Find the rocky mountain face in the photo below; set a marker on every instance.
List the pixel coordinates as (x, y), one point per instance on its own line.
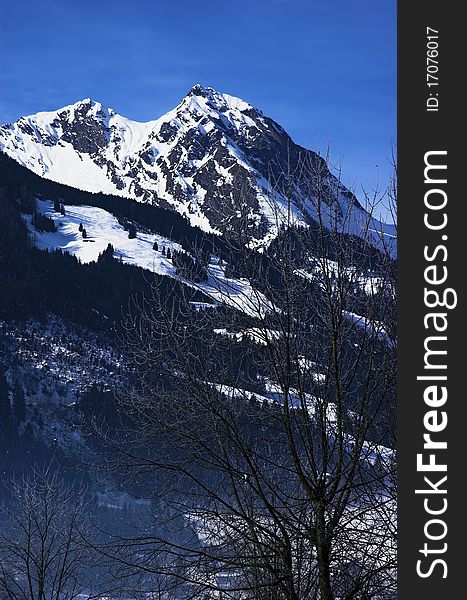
(214, 158)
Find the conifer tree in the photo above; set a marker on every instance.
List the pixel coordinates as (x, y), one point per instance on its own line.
(131, 232)
(107, 254)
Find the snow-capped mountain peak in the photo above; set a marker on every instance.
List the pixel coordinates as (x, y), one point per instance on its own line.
(214, 100)
(214, 158)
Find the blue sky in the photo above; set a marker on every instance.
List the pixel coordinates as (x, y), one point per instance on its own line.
(324, 69)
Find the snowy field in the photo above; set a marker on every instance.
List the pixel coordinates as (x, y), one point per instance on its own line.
(102, 228)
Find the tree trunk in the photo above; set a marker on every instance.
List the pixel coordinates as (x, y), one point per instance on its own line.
(323, 553)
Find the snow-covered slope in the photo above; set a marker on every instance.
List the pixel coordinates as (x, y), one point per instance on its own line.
(103, 228)
(214, 158)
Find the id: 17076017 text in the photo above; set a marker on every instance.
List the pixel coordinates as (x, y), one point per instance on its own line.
(432, 68)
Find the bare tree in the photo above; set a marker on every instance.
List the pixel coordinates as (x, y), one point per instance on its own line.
(266, 426)
(43, 554)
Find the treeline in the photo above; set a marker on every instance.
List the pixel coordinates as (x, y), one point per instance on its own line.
(20, 182)
(189, 266)
(159, 220)
(35, 282)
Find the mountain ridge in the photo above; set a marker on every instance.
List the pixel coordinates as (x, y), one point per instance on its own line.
(214, 158)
